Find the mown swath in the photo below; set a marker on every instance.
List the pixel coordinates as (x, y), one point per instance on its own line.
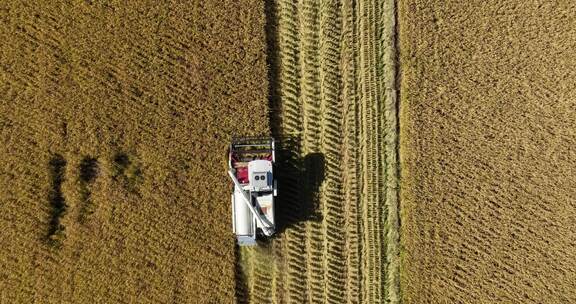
(373, 203)
(350, 155)
(262, 276)
(331, 108)
(337, 106)
(289, 53)
(310, 65)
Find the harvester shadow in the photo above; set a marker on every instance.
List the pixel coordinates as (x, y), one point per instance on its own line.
(299, 181)
(299, 178)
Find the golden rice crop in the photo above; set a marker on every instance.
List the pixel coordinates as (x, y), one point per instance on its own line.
(114, 124)
(488, 164)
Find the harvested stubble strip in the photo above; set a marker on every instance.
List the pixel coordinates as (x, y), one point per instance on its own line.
(336, 90)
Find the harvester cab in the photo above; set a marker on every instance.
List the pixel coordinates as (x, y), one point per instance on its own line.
(251, 168)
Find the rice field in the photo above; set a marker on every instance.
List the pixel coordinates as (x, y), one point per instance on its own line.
(424, 150)
(488, 126)
(332, 71)
(115, 118)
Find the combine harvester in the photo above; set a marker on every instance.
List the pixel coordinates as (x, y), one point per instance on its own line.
(251, 162)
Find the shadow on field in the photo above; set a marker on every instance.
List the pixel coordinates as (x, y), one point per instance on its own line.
(58, 205)
(241, 289)
(299, 180)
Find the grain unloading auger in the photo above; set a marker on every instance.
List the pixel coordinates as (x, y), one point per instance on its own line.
(251, 162)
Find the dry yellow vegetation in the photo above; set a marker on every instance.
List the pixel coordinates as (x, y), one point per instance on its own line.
(114, 123)
(488, 130)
